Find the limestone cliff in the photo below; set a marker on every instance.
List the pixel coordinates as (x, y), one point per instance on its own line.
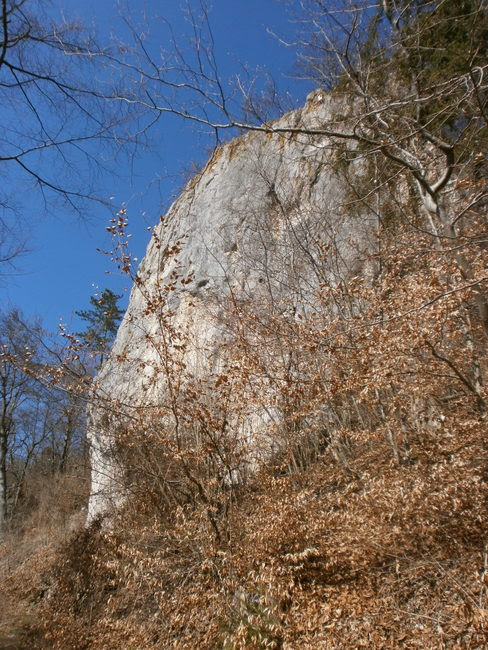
(266, 219)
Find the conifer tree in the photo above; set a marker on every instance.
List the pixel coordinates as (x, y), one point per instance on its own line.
(102, 322)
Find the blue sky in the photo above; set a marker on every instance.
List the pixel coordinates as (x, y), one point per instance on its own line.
(63, 267)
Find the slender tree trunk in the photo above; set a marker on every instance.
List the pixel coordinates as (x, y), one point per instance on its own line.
(68, 437)
(3, 480)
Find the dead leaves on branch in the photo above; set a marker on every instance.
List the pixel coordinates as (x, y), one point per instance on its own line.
(365, 526)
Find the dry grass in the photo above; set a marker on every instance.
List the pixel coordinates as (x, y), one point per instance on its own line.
(28, 552)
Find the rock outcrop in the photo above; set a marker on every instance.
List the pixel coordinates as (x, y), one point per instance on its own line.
(266, 220)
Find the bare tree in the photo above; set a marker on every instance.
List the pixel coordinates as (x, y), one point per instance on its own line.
(42, 401)
(61, 101)
(12, 245)
(411, 75)
(411, 80)
(353, 46)
(402, 91)
(16, 387)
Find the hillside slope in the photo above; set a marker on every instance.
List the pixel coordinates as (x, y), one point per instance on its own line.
(293, 418)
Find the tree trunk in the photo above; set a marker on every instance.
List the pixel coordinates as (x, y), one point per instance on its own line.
(3, 481)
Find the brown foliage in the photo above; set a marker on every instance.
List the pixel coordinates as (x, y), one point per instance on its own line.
(29, 551)
(367, 525)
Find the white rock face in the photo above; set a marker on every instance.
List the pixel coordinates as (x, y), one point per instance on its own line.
(253, 224)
